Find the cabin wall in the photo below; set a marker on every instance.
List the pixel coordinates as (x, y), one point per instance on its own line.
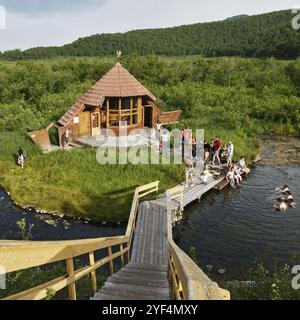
(41, 138)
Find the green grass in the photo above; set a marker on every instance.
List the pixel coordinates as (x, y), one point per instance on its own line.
(74, 183)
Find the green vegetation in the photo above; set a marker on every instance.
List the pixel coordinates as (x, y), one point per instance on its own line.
(264, 284)
(75, 184)
(263, 35)
(235, 98)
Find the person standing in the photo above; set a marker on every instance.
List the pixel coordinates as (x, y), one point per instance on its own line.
(165, 142)
(217, 149)
(230, 153)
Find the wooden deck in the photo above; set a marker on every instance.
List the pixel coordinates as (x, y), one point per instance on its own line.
(146, 275)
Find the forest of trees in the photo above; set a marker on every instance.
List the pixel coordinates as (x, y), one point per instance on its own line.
(239, 94)
(263, 35)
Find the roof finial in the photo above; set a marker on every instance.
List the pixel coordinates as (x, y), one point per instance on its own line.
(118, 54)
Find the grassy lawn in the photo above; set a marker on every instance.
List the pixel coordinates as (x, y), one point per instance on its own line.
(74, 183)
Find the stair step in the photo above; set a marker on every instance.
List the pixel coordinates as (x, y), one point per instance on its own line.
(106, 297)
(146, 267)
(135, 290)
(158, 275)
(137, 280)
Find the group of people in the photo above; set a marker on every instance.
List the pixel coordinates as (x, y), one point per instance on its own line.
(218, 153)
(286, 200)
(21, 157)
(236, 171)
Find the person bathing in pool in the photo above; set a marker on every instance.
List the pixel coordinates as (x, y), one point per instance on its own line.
(280, 205)
(290, 200)
(284, 189)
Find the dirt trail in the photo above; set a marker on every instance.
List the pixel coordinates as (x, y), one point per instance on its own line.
(280, 150)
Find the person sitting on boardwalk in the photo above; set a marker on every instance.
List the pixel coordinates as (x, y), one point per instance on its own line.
(217, 149)
(230, 152)
(242, 164)
(238, 174)
(206, 174)
(280, 205)
(230, 177)
(189, 173)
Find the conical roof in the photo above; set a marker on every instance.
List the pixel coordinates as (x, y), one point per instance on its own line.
(117, 82)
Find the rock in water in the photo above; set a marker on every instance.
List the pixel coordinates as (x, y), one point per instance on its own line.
(221, 271)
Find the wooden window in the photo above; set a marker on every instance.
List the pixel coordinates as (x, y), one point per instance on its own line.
(126, 103)
(114, 103)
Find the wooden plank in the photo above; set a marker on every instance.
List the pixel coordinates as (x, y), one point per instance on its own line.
(93, 273)
(71, 274)
(19, 255)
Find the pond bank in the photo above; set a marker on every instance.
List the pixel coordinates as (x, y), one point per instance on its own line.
(46, 227)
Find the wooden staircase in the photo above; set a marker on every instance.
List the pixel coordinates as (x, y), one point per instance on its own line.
(146, 276)
(153, 266)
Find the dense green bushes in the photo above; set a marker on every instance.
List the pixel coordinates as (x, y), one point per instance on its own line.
(253, 95)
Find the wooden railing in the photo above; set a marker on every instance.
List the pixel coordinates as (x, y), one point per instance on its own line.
(188, 281)
(20, 255)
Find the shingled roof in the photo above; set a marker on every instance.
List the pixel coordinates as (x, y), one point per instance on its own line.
(118, 82)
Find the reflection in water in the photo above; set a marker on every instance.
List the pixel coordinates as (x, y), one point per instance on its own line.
(233, 228)
(45, 227)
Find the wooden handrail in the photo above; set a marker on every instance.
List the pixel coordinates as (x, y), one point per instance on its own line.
(20, 255)
(188, 281)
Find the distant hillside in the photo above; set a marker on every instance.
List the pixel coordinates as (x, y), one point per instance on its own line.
(263, 35)
(238, 17)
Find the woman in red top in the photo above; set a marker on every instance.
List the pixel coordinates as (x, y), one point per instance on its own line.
(217, 149)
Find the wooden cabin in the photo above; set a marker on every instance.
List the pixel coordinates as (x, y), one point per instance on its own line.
(117, 99)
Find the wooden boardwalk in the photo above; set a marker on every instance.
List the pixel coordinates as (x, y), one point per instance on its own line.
(146, 275)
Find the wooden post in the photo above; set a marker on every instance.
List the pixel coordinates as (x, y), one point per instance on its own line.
(122, 256)
(128, 252)
(93, 273)
(111, 263)
(131, 111)
(107, 113)
(71, 273)
(120, 110)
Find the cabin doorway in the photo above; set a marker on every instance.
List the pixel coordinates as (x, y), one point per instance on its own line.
(85, 123)
(148, 121)
(95, 121)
